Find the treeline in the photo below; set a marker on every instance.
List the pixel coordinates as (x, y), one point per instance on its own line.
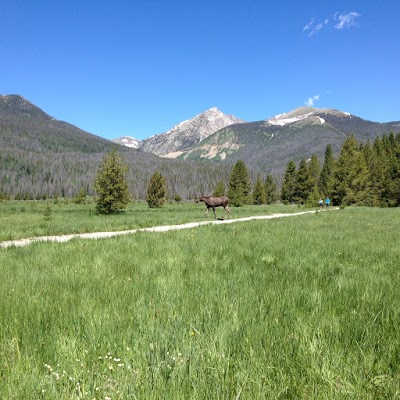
(30, 175)
(363, 174)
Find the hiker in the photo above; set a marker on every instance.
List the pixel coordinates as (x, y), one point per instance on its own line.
(321, 203)
(328, 201)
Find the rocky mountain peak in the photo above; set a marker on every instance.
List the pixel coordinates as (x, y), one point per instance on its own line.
(188, 133)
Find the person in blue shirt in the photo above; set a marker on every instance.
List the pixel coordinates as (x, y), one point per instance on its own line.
(328, 201)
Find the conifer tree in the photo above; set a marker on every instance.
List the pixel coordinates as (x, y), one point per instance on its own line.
(361, 184)
(304, 183)
(156, 191)
(239, 185)
(326, 177)
(394, 188)
(341, 193)
(111, 185)
(368, 151)
(392, 163)
(351, 175)
(271, 190)
(374, 168)
(259, 194)
(379, 171)
(219, 189)
(288, 184)
(314, 168)
(314, 197)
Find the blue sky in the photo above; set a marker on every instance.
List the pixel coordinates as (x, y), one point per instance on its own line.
(137, 68)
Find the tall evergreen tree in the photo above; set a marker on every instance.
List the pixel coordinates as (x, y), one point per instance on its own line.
(341, 193)
(378, 172)
(395, 173)
(288, 184)
(111, 185)
(239, 185)
(219, 189)
(361, 184)
(326, 177)
(259, 194)
(156, 190)
(304, 183)
(368, 151)
(314, 168)
(351, 175)
(271, 190)
(373, 197)
(392, 152)
(314, 197)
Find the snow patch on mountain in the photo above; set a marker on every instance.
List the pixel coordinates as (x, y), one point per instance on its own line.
(127, 141)
(303, 113)
(282, 121)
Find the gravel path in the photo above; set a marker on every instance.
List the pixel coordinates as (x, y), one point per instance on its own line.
(102, 235)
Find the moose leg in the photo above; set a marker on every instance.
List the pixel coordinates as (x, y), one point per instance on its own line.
(215, 215)
(227, 210)
(207, 208)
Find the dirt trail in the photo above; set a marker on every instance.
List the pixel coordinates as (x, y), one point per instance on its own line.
(102, 235)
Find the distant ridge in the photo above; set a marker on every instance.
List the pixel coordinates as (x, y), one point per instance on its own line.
(25, 126)
(40, 155)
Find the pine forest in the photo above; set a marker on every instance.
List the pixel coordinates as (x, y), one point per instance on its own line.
(362, 173)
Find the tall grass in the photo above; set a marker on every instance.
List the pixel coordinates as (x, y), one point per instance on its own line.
(305, 307)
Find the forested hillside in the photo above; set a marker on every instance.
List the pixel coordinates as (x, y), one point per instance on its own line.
(24, 126)
(28, 174)
(40, 156)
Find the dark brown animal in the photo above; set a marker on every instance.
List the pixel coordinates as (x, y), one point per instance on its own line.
(213, 202)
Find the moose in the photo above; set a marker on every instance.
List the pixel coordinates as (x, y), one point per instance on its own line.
(213, 202)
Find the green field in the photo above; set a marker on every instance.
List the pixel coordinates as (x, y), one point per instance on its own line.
(24, 219)
(294, 308)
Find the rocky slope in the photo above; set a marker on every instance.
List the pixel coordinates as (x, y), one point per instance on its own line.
(187, 134)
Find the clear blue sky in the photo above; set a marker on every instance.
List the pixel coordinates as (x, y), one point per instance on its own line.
(137, 68)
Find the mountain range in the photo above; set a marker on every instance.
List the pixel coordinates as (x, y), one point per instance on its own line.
(268, 144)
(40, 155)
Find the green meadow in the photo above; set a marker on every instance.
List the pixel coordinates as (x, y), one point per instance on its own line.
(306, 307)
(24, 219)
